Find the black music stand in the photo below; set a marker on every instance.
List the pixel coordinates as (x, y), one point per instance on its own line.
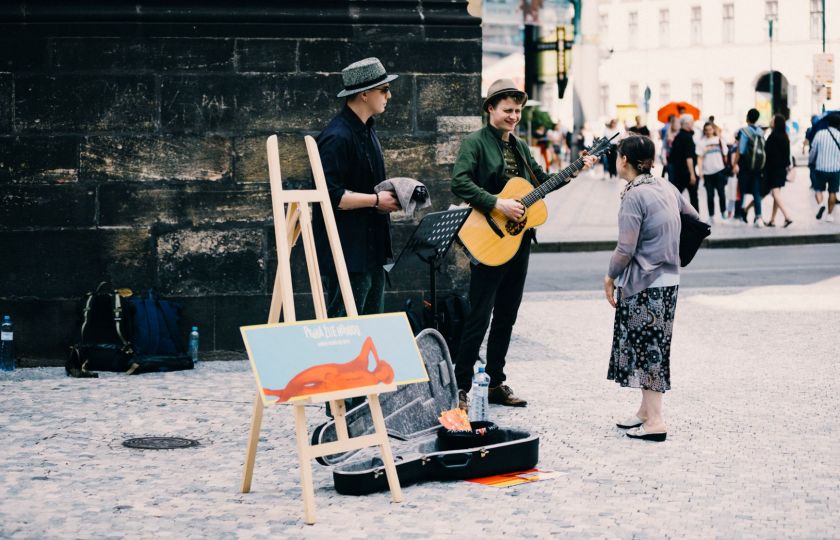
(429, 244)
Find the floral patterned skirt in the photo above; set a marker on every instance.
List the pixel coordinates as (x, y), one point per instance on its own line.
(641, 350)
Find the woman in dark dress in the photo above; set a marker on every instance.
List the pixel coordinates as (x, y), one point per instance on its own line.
(777, 149)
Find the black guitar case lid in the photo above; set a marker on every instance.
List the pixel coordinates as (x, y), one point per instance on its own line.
(411, 418)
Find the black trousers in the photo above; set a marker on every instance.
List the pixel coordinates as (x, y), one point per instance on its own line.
(715, 183)
(496, 291)
(684, 183)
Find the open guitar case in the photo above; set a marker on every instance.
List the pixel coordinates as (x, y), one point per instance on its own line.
(422, 448)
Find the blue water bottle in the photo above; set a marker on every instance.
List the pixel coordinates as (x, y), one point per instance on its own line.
(7, 345)
(194, 344)
(479, 405)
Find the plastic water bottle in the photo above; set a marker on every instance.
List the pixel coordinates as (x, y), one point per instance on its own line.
(7, 345)
(194, 344)
(478, 401)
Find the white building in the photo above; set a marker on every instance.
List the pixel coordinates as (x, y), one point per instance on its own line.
(715, 54)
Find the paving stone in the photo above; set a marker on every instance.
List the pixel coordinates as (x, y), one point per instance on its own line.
(728, 470)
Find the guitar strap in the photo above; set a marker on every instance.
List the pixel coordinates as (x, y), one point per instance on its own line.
(536, 180)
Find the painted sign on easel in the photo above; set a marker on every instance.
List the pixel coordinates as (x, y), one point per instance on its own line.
(305, 358)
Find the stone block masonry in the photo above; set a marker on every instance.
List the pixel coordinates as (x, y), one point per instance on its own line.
(132, 145)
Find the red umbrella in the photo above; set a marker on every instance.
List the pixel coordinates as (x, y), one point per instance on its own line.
(676, 108)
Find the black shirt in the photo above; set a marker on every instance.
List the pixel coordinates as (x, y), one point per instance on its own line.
(352, 159)
(643, 130)
(681, 149)
(511, 161)
(777, 152)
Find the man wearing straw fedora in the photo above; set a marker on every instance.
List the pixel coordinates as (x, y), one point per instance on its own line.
(353, 165)
(487, 159)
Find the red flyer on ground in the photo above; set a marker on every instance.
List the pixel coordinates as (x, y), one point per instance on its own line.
(515, 478)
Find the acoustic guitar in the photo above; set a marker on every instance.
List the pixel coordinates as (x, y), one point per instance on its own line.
(492, 238)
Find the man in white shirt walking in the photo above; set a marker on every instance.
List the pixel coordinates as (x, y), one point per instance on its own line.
(825, 156)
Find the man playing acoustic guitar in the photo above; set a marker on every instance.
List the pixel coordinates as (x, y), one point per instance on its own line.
(487, 159)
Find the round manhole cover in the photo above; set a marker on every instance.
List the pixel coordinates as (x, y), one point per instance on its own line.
(160, 443)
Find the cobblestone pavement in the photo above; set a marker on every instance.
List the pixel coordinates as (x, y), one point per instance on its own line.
(752, 450)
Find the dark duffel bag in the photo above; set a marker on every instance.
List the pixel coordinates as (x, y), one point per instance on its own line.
(160, 363)
(84, 359)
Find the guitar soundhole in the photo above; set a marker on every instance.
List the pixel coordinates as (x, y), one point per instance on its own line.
(515, 227)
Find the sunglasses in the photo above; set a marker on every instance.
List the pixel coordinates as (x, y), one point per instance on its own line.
(384, 89)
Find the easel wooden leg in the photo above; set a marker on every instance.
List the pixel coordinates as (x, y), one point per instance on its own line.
(385, 448)
(253, 440)
(339, 409)
(305, 461)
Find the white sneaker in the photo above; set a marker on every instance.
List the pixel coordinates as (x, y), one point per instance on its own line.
(828, 218)
(758, 223)
(711, 220)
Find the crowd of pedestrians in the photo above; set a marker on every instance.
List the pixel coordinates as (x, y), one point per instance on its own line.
(738, 174)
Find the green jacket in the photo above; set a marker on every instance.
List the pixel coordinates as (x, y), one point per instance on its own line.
(479, 171)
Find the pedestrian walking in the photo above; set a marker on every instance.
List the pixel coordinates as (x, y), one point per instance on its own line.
(776, 167)
(682, 160)
(711, 156)
(639, 128)
(642, 283)
(825, 157)
(666, 136)
(748, 165)
(611, 130)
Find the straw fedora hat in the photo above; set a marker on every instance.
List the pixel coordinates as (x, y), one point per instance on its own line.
(502, 86)
(363, 75)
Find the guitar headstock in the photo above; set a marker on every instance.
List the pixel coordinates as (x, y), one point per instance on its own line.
(600, 145)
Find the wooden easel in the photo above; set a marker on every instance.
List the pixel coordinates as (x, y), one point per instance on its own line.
(288, 228)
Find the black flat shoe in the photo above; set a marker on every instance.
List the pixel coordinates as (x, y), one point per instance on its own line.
(641, 434)
(769, 224)
(633, 421)
(787, 222)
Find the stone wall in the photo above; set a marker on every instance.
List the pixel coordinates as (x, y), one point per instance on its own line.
(132, 144)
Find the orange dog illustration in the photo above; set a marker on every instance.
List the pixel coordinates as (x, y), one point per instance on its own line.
(331, 377)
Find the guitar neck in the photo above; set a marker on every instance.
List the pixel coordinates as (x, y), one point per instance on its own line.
(557, 181)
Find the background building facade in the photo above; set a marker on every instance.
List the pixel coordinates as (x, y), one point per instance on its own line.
(716, 55)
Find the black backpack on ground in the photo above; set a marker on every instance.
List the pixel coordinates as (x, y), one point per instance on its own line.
(105, 343)
(130, 335)
(453, 311)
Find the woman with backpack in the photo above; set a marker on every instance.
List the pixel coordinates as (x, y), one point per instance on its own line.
(776, 167)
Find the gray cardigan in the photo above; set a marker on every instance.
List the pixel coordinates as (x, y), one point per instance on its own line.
(648, 235)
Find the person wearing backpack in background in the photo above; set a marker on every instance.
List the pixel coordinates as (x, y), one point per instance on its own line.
(747, 164)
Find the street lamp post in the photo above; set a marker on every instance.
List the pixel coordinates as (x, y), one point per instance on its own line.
(823, 41)
(771, 15)
(772, 96)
